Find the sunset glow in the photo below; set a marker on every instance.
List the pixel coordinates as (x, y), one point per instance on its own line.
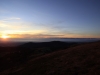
(31, 19)
(5, 36)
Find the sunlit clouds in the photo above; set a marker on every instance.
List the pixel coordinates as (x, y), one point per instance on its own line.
(13, 27)
(17, 28)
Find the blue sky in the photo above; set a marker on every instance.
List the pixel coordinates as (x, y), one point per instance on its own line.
(50, 18)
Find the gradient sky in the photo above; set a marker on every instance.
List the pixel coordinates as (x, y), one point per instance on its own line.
(50, 18)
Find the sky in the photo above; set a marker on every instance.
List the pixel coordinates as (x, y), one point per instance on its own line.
(28, 19)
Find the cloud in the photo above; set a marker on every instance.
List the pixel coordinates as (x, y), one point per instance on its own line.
(9, 26)
(11, 18)
(34, 36)
(20, 32)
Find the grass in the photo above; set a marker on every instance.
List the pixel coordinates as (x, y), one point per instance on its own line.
(80, 60)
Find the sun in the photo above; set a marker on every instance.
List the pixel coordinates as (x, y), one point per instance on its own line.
(4, 36)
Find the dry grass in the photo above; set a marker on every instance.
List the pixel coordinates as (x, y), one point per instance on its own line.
(80, 60)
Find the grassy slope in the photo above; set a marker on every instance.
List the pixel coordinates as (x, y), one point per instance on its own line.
(80, 60)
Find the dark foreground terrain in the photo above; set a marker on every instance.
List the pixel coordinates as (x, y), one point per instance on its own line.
(51, 58)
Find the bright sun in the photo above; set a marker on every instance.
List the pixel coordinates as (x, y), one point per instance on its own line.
(4, 36)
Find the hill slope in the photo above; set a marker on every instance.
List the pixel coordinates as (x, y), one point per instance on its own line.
(79, 60)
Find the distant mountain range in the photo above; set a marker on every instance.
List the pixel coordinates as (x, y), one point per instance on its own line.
(68, 40)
